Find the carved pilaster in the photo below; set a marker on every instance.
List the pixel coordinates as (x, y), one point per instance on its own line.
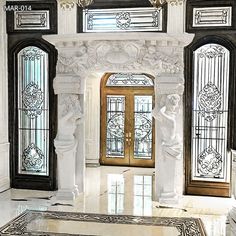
(175, 2)
(176, 10)
(67, 16)
(67, 4)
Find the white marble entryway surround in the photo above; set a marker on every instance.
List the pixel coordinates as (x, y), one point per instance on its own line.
(82, 60)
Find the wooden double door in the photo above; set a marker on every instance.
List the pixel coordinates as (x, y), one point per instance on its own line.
(127, 126)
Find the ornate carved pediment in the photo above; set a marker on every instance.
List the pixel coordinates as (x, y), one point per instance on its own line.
(120, 55)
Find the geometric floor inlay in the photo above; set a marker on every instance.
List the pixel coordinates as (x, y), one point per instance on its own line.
(50, 223)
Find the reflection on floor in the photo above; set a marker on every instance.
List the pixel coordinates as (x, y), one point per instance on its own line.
(120, 190)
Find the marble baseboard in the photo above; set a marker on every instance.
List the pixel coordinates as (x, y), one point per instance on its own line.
(4, 167)
(4, 184)
(92, 163)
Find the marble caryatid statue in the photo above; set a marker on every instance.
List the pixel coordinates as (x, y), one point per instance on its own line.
(170, 150)
(69, 115)
(171, 143)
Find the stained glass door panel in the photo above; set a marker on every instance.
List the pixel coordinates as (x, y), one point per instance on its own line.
(115, 143)
(143, 127)
(33, 112)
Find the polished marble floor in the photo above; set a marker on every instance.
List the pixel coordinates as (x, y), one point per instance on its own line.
(120, 190)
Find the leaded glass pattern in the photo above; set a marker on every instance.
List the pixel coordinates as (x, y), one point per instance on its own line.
(122, 19)
(115, 126)
(210, 113)
(33, 111)
(32, 98)
(212, 16)
(31, 20)
(143, 127)
(129, 79)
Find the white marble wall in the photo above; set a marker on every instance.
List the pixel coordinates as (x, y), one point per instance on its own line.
(4, 144)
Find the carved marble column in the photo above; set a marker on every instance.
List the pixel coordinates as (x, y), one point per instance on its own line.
(4, 143)
(169, 132)
(70, 115)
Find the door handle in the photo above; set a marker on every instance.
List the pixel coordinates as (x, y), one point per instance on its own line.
(128, 138)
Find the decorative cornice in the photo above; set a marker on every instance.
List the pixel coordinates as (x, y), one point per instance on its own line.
(163, 39)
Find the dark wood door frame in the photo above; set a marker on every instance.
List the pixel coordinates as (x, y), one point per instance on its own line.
(20, 180)
(204, 187)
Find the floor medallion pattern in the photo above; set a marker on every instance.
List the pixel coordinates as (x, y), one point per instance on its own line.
(26, 223)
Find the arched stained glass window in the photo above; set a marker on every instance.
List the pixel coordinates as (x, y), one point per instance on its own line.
(210, 161)
(33, 111)
(129, 79)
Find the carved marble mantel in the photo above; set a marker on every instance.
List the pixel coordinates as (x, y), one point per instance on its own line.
(81, 55)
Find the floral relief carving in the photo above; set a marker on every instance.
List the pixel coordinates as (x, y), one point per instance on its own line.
(76, 63)
(120, 55)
